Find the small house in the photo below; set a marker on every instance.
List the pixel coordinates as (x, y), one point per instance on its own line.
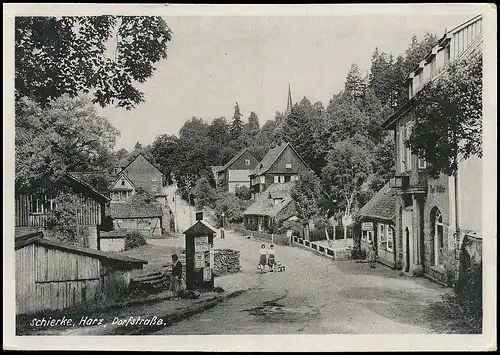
(32, 207)
(113, 241)
(271, 209)
(141, 213)
(51, 275)
(236, 171)
(280, 165)
(377, 225)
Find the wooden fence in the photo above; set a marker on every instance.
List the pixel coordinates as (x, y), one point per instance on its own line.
(334, 254)
(278, 239)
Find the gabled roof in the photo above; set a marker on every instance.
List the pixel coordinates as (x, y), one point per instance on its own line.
(265, 205)
(200, 227)
(122, 175)
(37, 238)
(93, 191)
(137, 157)
(270, 158)
(381, 206)
(233, 160)
(141, 205)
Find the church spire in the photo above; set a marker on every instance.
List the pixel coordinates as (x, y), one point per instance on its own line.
(289, 102)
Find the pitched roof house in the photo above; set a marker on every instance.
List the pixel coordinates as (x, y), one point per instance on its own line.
(139, 173)
(281, 164)
(142, 213)
(51, 275)
(33, 205)
(272, 207)
(377, 222)
(236, 171)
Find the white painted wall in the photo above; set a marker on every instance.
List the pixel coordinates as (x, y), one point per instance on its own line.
(112, 244)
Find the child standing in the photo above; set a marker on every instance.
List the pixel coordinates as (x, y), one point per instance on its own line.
(271, 261)
(263, 258)
(372, 256)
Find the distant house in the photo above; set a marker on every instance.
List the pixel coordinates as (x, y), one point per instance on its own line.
(378, 223)
(113, 241)
(280, 165)
(51, 275)
(32, 207)
(272, 208)
(141, 213)
(236, 171)
(139, 173)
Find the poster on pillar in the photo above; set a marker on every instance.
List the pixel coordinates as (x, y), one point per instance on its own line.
(199, 260)
(201, 244)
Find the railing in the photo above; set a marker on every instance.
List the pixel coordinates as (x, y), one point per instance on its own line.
(270, 238)
(334, 254)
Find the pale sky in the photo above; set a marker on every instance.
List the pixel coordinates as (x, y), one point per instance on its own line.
(214, 62)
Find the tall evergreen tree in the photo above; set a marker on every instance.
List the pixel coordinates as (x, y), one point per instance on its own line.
(354, 84)
(237, 124)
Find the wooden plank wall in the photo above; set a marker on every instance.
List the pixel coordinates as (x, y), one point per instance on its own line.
(51, 279)
(25, 216)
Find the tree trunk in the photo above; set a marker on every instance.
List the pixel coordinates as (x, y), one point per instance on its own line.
(328, 237)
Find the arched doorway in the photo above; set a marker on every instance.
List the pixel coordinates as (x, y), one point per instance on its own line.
(408, 255)
(437, 237)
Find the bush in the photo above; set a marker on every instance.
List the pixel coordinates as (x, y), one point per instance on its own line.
(134, 240)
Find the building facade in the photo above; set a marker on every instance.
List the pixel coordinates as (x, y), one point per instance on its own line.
(32, 208)
(433, 215)
(377, 219)
(280, 165)
(236, 171)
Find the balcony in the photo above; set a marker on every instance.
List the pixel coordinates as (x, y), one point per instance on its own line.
(411, 182)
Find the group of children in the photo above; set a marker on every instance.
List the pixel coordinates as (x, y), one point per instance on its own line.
(267, 257)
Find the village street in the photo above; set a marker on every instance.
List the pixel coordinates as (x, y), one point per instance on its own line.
(314, 295)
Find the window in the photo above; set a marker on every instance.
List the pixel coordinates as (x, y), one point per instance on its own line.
(422, 164)
(364, 235)
(288, 165)
(287, 178)
(38, 205)
(276, 179)
(382, 236)
(408, 150)
(437, 236)
(390, 239)
(247, 161)
(123, 182)
(262, 179)
(447, 54)
(281, 180)
(410, 89)
(154, 178)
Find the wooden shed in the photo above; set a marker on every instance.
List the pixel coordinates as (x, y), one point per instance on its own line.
(52, 275)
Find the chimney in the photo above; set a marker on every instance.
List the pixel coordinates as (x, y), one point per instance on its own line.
(199, 216)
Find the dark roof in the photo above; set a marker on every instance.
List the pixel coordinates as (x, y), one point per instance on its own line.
(382, 205)
(98, 195)
(141, 205)
(200, 227)
(265, 205)
(37, 238)
(146, 159)
(389, 122)
(269, 159)
(232, 160)
(120, 233)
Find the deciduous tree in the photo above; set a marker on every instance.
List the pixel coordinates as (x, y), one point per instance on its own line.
(106, 55)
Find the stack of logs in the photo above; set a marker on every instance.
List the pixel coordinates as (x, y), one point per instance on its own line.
(159, 280)
(226, 261)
